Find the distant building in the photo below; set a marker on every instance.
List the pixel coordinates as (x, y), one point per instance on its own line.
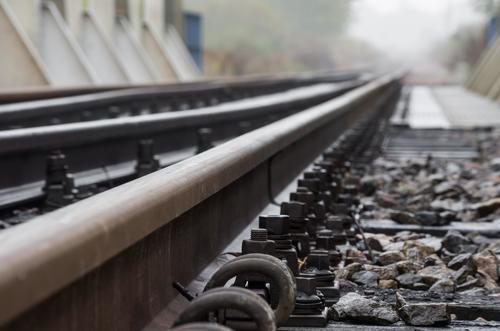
(72, 43)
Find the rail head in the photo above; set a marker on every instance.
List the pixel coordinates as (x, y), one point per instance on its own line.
(78, 134)
(28, 110)
(44, 255)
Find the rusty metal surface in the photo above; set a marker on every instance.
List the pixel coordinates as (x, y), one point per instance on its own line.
(135, 220)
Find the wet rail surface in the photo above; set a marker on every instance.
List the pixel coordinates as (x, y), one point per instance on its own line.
(290, 200)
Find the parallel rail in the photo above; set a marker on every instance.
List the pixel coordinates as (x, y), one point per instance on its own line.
(106, 262)
(144, 100)
(44, 93)
(95, 144)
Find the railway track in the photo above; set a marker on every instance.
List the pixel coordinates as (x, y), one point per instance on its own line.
(224, 188)
(33, 94)
(93, 156)
(306, 212)
(112, 102)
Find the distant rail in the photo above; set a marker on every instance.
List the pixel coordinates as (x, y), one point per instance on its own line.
(114, 102)
(43, 93)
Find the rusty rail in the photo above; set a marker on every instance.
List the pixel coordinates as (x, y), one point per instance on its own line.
(107, 262)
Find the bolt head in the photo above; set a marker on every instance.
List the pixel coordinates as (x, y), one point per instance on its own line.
(294, 209)
(302, 195)
(318, 259)
(312, 184)
(275, 224)
(306, 285)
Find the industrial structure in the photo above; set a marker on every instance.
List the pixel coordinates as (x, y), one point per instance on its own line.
(485, 76)
(63, 43)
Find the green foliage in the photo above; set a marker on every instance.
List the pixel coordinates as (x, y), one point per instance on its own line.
(257, 36)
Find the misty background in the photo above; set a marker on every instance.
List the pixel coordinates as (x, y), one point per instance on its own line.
(439, 40)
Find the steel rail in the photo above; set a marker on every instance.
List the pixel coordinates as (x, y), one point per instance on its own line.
(66, 135)
(43, 93)
(99, 105)
(154, 99)
(97, 143)
(119, 250)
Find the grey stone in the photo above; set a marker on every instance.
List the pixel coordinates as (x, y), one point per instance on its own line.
(417, 252)
(470, 248)
(432, 260)
(452, 168)
(446, 217)
(348, 271)
(446, 285)
(422, 314)
(421, 287)
(475, 291)
(436, 178)
(454, 240)
(374, 244)
(495, 164)
(460, 275)
(365, 278)
(433, 242)
(447, 205)
(407, 235)
(460, 260)
(486, 265)
(354, 307)
(468, 174)
(391, 257)
(447, 188)
(369, 185)
(403, 217)
(397, 246)
(385, 200)
(487, 207)
(427, 218)
(407, 267)
(387, 284)
(408, 280)
(346, 286)
(433, 274)
(469, 284)
(384, 273)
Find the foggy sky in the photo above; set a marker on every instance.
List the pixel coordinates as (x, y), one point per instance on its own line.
(407, 30)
